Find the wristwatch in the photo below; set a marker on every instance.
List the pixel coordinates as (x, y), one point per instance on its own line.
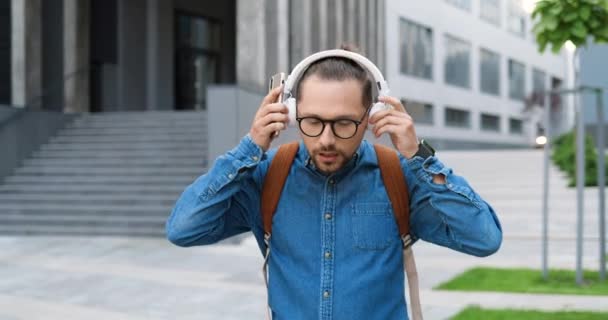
(424, 150)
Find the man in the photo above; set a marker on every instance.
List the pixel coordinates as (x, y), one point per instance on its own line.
(336, 251)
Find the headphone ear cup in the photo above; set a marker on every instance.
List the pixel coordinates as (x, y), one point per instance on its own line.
(291, 108)
(379, 106)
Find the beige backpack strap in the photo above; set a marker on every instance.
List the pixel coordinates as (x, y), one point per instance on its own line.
(397, 190)
(271, 193)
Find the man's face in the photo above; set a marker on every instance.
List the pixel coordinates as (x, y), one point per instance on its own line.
(331, 100)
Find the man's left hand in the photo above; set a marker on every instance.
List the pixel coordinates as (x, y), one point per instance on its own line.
(398, 124)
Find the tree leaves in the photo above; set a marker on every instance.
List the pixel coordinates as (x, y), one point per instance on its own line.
(558, 21)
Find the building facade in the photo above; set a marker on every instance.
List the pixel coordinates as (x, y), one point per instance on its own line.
(467, 69)
(464, 69)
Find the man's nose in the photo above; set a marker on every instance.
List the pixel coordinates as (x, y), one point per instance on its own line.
(327, 137)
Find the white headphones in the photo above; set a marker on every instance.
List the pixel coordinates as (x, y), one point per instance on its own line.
(379, 89)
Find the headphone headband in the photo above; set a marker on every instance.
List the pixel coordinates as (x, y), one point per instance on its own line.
(381, 87)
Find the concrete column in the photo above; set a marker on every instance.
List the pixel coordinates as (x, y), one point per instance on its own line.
(360, 21)
(381, 35)
(350, 19)
(306, 38)
(159, 82)
(283, 35)
(371, 23)
(26, 53)
(76, 17)
(323, 30)
(339, 21)
(251, 45)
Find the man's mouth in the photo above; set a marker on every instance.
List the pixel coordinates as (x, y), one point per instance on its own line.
(328, 156)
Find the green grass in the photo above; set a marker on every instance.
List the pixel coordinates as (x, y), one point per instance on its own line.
(526, 281)
(476, 313)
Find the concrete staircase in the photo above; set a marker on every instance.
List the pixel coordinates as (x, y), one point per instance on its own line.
(106, 174)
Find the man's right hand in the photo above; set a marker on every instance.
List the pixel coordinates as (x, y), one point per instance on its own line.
(272, 116)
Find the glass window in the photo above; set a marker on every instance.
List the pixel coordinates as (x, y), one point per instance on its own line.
(538, 87)
(457, 118)
(421, 112)
(462, 4)
(416, 49)
(516, 126)
(490, 11)
(556, 99)
(516, 18)
(490, 122)
(517, 80)
(197, 32)
(197, 56)
(457, 62)
(489, 70)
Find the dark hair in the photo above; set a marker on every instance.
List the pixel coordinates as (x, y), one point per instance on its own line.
(337, 68)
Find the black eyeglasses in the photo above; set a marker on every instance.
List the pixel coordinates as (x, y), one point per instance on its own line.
(342, 128)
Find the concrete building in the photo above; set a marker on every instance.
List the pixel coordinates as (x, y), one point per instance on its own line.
(110, 55)
(466, 68)
(463, 68)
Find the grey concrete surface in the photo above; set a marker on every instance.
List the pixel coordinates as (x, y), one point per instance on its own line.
(134, 278)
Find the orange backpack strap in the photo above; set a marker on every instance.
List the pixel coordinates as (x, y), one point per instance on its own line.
(274, 182)
(396, 187)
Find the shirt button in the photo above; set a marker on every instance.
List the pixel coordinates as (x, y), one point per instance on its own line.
(332, 181)
(255, 158)
(325, 294)
(327, 255)
(230, 176)
(328, 216)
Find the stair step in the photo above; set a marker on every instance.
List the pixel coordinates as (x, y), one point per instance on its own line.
(125, 148)
(95, 230)
(134, 131)
(61, 181)
(162, 200)
(151, 138)
(91, 211)
(67, 220)
(189, 119)
(142, 162)
(88, 189)
(134, 171)
(114, 154)
(85, 207)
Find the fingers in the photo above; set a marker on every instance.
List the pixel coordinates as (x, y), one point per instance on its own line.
(396, 103)
(272, 96)
(395, 123)
(272, 117)
(273, 127)
(385, 113)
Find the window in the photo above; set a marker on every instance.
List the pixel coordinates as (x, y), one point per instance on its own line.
(421, 112)
(416, 49)
(490, 11)
(457, 62)
(489, 72)
(538, 87)
(517, 81)
(462, 4)
(197, 51)
(556, 99)
(516, 18)
(516, 126)
(457, 118)
(490, 122)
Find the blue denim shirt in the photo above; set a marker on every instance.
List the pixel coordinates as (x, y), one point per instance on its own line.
(335, 247)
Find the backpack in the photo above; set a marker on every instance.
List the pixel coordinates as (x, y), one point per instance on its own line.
(396, 188)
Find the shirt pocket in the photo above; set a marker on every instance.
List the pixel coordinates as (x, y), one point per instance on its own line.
(373, 225)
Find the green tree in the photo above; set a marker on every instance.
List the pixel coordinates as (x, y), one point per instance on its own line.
(558, 21)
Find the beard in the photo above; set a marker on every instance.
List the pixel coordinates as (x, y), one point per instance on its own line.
(329, 159)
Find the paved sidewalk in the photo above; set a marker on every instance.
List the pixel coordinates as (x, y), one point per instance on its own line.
(50, 278)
